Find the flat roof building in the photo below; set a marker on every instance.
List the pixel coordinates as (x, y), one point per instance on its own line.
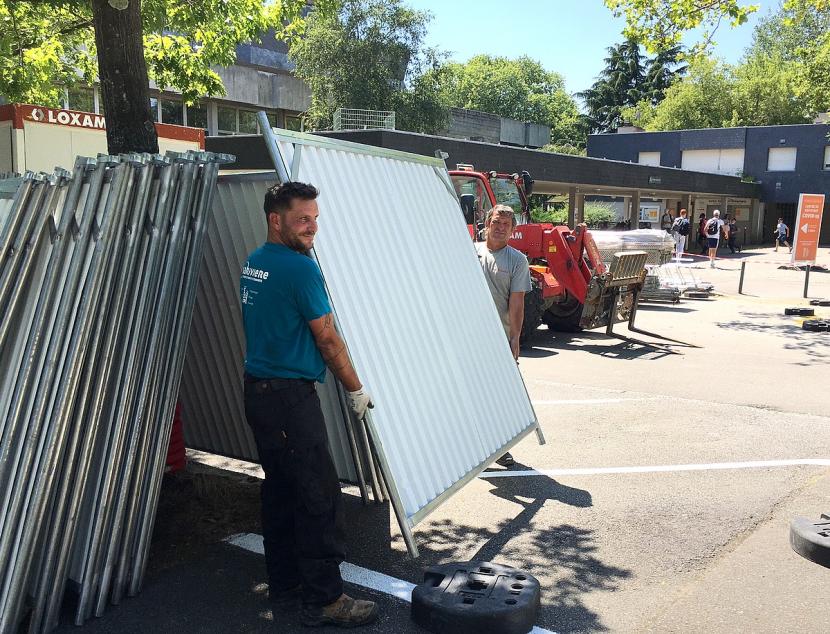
(784, 160)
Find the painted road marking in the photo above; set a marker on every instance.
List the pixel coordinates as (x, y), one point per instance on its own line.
(759, 464)
(595, 401)
(351, 573)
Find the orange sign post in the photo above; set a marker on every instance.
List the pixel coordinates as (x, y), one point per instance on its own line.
(807, 227)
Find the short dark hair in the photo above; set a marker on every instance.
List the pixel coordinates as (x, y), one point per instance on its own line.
(278, 198)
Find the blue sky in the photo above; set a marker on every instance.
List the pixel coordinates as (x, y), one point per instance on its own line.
(566, 36)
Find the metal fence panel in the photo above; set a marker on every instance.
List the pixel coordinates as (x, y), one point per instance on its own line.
(97, 279)
(415, 310)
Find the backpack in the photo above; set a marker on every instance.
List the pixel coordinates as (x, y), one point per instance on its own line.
(712, 227)
(681, 226)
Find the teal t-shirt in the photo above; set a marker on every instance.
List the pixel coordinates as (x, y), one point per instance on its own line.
(281, 291)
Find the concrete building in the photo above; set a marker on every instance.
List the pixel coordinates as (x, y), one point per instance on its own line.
(784, 161)
(261, 79)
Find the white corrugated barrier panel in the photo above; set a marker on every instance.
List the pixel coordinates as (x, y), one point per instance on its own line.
(414, 308)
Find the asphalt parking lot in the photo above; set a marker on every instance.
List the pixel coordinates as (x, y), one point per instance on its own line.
(660, 503)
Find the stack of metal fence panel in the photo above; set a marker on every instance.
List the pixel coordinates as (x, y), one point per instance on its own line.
(98, 272)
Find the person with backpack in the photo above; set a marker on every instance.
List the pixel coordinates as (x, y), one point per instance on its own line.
(680, 229)
(713, 229)
(701, 233)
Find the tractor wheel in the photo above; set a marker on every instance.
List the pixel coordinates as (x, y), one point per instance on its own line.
(533, 314)
(564, 316)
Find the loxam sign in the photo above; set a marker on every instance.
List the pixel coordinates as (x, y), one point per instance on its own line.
(40, 114)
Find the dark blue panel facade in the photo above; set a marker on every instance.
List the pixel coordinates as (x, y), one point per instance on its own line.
(779, 189)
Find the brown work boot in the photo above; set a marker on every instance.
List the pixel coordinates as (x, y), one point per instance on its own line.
(344, 612)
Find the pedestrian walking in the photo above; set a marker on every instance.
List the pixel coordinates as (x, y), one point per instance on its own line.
(782, 234)
(714, 227)
(680, 230)
(702, 242)
(666, 221)
(290, 338)
(508, 278)
(732, 234)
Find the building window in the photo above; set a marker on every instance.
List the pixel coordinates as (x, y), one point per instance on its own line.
(274, 120)
(827, 157)
(717, 161)
(197, 116)
(226, 120)
(82, 99)
(781, 159)
(293, 123)
(247, 122)
(172, 112)
(649, 158)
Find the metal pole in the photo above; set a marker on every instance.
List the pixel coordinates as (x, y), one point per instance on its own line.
(741, 281)
(807, 278)
(273, 148)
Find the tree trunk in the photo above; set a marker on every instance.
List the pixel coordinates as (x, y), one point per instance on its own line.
(123, 75)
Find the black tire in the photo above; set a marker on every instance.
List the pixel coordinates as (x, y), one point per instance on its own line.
(564, 316)
(801, 312)
(820, 302)
(815, 325)
(533, 313)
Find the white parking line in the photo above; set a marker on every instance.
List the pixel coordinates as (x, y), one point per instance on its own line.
(759, 464)
(594, 401)
(353, 574)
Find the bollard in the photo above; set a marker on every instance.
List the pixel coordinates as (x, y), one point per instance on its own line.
(741, 281)
(807, 279)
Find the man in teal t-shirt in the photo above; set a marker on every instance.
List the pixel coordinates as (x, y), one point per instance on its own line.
(290, 337)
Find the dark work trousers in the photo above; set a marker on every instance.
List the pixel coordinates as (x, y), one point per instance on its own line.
(301, 510)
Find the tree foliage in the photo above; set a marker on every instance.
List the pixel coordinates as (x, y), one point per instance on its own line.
(516, 89)
(46, 44)
(659, 24)
(371, 55)
(627, 79)
(782, 78)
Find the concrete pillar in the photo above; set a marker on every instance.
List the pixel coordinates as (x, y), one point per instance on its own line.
(571, 207)
(686, 203)
(634, 216)
(580, 208)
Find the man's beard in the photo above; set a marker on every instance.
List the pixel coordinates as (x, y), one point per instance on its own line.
(293, 242)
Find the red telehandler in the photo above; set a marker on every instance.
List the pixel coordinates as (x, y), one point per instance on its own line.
(572, 287)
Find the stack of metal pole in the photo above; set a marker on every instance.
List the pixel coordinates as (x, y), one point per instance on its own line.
(98, 273)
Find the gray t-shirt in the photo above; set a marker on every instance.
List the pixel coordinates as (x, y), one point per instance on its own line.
(506, 271)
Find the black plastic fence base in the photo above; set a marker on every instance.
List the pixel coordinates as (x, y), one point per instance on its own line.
(476, 597)
(811, 540)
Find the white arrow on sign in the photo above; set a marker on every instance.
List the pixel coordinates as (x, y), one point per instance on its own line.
(804, 227)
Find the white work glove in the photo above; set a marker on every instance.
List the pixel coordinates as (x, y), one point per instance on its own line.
(359, 402)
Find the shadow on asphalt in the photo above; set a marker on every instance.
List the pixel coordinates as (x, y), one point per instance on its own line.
(547, 343)
(815, 345)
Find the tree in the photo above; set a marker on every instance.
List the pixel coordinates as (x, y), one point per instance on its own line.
(48, 44)
(627, 79)
(370, 55)
(516, 89)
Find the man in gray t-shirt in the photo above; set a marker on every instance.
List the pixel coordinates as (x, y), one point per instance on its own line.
(506, 272)
(508, 278)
